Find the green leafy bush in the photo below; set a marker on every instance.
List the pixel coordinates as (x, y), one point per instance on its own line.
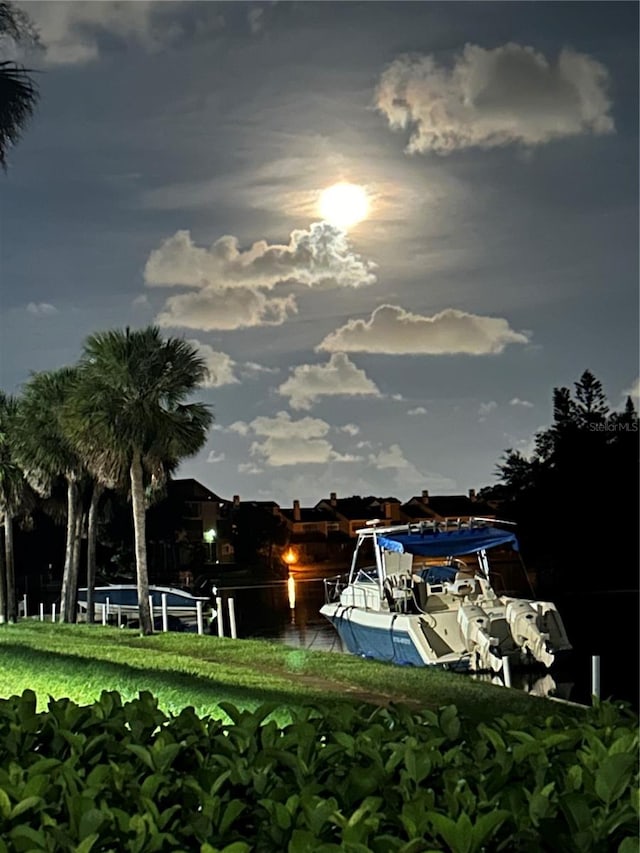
(117, 776)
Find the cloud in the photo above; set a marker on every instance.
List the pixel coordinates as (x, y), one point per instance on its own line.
(249, 468)
(251, 368)
(71, 32)
(339, 376)
(227, 282)
(350, 429)
(319, 257)
(419, 410)
(487, 408)
(219, 365)
(240, 427)
(391, 457)
(140, 300)
(215, 457)
(211, 309)
(41, 308)
(518, 402)
(633, 391)
(506, 95)
(282, 441)
(394, 331)
(255, 19)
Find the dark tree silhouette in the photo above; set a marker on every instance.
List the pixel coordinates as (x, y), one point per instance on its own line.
(18, 91)
(582, 484)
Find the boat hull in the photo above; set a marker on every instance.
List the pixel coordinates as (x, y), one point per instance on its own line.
(124, 597)
(390, 637)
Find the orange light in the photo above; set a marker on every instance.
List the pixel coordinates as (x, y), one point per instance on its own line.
(290, 557)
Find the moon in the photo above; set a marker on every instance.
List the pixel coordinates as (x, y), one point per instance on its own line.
(344, 205)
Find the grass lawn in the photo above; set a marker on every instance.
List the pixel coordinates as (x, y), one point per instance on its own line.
(80, 661)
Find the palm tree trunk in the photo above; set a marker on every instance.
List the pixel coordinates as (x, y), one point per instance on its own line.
(75, 565)
(3, 579)
(139, 531)
(67, 605)
(12, 609)
(92, 532)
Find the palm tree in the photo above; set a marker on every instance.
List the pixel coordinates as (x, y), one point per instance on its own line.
(46, 454)
(18, 92)
(15, 497)
(127, 414)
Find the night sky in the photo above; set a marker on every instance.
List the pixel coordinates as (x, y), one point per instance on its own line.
(173, 174)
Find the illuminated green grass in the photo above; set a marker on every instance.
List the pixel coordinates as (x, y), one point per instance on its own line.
(79, 661)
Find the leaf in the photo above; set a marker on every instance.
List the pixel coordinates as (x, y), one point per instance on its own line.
(450, 722)
(90, 822)
(485, 825)
(232, 811)
(87, 843)
(25, 805)
(458, 835)
(628, 845)
(576, 808)
(613, 776)
(143, 754)
(5, 804)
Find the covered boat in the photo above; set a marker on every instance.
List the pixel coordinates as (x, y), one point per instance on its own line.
(124, 597)
(427, 598)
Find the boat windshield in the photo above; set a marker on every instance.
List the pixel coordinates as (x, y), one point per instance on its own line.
(367, 575)
(438, 574)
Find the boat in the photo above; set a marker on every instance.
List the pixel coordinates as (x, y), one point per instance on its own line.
(421, 601)
(123, 598)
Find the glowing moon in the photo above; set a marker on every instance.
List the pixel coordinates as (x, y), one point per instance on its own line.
(344, 205)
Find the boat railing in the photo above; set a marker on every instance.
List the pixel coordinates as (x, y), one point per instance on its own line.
(333, 586)
(431, 525)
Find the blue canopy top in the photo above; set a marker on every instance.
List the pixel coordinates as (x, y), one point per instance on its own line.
(448, 543)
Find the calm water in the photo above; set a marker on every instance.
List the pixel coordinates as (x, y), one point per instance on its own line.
(605, 624)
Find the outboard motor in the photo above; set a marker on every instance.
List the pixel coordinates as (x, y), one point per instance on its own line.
(474, 625)
(522, 619)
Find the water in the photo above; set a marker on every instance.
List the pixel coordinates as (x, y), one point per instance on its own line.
(604, 624)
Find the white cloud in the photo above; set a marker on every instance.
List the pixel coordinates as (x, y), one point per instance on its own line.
(633, 391)
(219, 365)
(213, 308)
(394, 331)
(215, 457)
(255, 19)
(339, 376)
(251, 367)
(391, 457)
(282, 441)
(282, 426)
(240, 427)
(319, 257)
(419, 410)
(249, 468)
(518, 402)
(350, 429)
(41, 308)
(70, 32)
(227, 282)
(140, 300)
(488, 98)
(487, 408)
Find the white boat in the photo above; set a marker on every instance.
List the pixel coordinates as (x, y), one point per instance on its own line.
(420, 603)
(124, 597)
